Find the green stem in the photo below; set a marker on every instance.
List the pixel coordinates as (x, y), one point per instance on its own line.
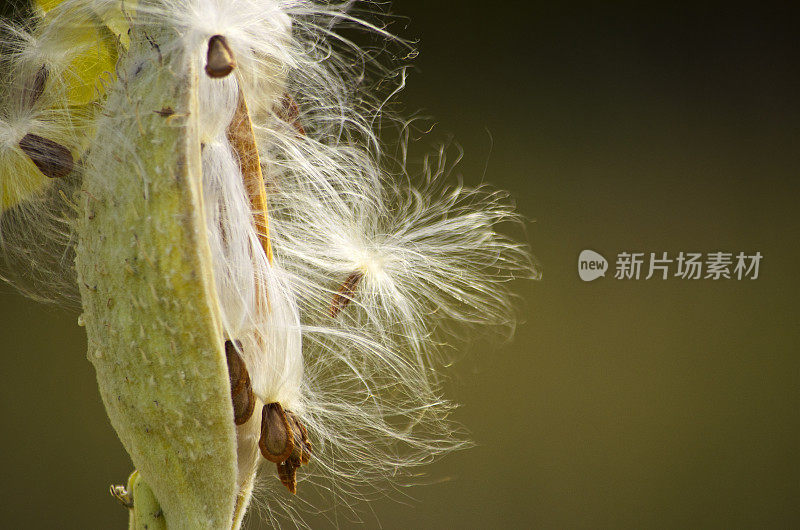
(146, 513)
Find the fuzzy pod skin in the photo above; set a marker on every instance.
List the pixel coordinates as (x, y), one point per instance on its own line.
(145, 274)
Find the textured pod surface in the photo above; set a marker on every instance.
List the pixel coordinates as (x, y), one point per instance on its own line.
(150, 311)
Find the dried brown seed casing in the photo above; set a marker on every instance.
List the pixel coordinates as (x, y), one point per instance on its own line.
(240, 134)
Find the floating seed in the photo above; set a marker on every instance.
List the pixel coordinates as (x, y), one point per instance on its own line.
(277, 439)
(35, 87)
(53, 159)
(290, 113)
(219, 60)
(244, 401)
(346, 293)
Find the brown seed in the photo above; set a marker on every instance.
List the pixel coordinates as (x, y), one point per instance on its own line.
(35, 87)
(346, 293)
(53, 159)
(287, 473)
(237, 370)
(290, 113)
(277, 439)
(292, 436)
(219, 60)
(244, 401)
(302, 445)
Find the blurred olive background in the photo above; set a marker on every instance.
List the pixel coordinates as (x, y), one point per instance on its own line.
(619, 404)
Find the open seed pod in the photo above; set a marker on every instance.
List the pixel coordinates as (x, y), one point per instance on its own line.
(164, 380)
(256, 287)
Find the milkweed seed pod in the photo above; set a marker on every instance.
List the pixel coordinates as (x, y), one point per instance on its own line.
(267, 304)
